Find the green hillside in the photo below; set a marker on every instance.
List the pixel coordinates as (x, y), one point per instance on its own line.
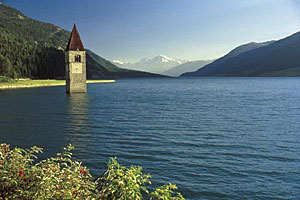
(36, 50)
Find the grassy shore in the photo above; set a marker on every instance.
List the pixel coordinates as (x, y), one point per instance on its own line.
(42, 83)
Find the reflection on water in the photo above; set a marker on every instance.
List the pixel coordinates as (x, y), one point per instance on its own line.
(76, 129)
(77, 111)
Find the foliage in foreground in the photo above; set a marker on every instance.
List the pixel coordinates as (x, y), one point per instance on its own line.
(21, 177)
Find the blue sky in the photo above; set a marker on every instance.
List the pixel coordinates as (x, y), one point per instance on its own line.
(129, 30)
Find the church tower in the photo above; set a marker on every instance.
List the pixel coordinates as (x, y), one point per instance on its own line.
(75, 61)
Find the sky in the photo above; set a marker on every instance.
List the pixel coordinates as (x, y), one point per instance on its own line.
(129, 30)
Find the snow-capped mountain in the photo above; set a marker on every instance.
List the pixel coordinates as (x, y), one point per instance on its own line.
(158, 64)
(187, 67)
(117, 62)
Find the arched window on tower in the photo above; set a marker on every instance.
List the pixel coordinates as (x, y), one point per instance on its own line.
(77, 58)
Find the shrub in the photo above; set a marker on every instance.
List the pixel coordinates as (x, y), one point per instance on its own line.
(22, 177)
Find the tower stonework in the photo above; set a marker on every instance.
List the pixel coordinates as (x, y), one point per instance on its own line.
(75, 61)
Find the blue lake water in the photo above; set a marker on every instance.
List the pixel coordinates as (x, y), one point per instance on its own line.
(216, 138)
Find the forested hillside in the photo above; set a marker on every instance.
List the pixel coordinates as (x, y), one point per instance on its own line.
(36, 50)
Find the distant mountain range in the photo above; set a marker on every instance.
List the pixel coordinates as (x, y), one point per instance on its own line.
(158, 64)
(186, 67)
(274, 58)
(36, 50)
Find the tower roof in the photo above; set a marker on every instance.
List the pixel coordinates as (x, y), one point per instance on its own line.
(75, 43)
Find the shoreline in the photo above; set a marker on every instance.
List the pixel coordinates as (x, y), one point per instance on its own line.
(43, 83)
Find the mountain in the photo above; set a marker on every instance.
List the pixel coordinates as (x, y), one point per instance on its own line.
(186, 67)
(275, 58)
(36, 50)
(104, 68)
(246, 47)
(158, 64)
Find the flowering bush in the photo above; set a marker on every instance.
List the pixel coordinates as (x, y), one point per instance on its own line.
(62, 178)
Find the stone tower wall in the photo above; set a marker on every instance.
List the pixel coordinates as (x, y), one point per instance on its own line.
(75, 72)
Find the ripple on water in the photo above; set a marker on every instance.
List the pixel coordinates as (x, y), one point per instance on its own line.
(216, 138)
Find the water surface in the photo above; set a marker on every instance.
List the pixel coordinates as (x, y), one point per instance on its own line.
(216, 138)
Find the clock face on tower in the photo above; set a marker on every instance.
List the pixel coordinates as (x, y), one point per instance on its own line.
(76, 69)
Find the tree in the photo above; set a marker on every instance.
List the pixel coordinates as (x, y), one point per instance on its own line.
(6, 68)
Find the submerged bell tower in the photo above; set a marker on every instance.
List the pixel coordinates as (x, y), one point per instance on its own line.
(75, 61)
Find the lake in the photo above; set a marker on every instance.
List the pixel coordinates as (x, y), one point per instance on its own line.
(215, 138)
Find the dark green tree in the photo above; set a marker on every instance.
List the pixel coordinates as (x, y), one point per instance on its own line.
(6, 68)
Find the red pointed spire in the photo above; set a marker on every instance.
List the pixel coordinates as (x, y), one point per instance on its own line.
(75, 43)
